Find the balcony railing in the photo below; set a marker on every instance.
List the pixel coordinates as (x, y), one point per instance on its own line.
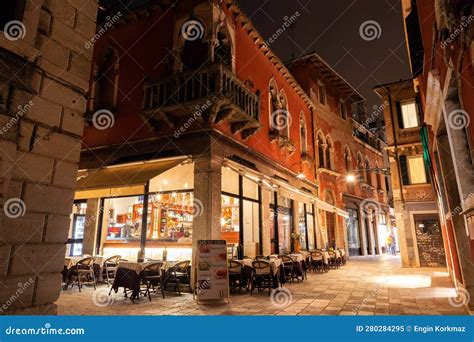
(363, 134)
(229, 98)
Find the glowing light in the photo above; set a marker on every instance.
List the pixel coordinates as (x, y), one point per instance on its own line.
(174, 194)
(350, 178)
(301, 176)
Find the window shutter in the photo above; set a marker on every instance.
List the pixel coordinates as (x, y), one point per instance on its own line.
(399, 115)
(427, 173)
(404, 170)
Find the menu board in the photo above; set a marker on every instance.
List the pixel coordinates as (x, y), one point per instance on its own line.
(212, 278)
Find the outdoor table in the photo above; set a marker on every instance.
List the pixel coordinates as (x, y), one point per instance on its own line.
(71, 261)
(300, 260)
(129, 276)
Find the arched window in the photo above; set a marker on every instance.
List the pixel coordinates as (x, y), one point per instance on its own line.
(223, 48)
(303, 134)
(360, 166)
(273, 104)
(195, 50)
(284, 119)
(347, 159)
(368, 173)
(321, 148)
(378, 176)
(329, 153)
(106, 80)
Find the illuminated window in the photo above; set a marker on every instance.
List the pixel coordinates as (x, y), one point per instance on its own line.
(409, 115)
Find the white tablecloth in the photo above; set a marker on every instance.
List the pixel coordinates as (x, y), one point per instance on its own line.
(71, 261)
(297, 257)
(138, 267)
(274, 264)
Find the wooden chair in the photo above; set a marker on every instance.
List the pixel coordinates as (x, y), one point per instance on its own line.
(343, 256)
(177, 275)
(82, 270)
(262, 277)
(334, 261)
(235, 275)
(110, 268)
(290, 267)
(317, 261)
(152, 279)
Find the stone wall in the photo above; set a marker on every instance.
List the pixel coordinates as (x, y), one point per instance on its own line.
(44, 75)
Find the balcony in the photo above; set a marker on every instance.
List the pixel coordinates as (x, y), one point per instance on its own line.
(362, 134)
(212, 94)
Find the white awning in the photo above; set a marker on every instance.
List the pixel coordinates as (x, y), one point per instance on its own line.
(274, 184)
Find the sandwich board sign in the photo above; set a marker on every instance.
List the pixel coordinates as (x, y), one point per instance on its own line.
(212, 283)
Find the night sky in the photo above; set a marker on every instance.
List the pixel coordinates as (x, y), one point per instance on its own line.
(331, 28)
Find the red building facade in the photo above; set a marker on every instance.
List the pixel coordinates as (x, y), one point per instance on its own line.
(193, 117)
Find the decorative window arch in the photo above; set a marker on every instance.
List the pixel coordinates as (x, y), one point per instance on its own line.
(224, 47)
(368, 173)
(106, 76)
(303, 134)
(284, 119)
(329, 153)
(192, 47)
(378, 176)
(360, 165)
(321, 149)
(273, 104)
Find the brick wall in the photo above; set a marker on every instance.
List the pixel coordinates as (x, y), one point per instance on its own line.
(44, 76)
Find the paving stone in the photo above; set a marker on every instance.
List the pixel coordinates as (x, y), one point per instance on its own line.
(315, 296)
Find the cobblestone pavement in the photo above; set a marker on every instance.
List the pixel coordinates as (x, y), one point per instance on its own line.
(364, 286)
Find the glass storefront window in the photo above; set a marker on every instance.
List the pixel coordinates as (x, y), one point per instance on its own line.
(170, 217)
(250, 188)
(178, 178)
(230, 219)
(230, 181)
(353, 239)
(251, 227)
(284, 230)
(76, 230)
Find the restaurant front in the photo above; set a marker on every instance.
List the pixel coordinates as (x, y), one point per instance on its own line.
(258, 214)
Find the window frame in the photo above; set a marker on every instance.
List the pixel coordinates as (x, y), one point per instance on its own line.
(402, 116)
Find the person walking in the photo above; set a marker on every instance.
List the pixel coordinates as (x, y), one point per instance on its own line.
(388, 243)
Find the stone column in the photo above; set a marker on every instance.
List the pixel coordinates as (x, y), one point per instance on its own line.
(90, 228)
(363, 231)
(43, 78)
(295, 222)
(267, 221)
(207, 201)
